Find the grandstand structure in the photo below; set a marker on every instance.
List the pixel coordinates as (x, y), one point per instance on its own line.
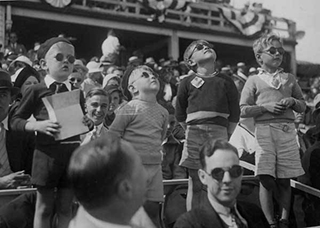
(88, 22)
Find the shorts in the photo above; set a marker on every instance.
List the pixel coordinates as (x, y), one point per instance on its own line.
(49, 168)
(277, 151)
(196, 135)
(155, 184)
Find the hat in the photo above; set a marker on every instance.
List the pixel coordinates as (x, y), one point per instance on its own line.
(5, 83)
(107, 78)
(125, 80)
(241, 64)
(252, 69)
(150, 60)
(112, 88)
(93, 67)
(79, 64)
(25, 74)
(44, 48)
(134, 60)
(22, 59)
(105, 61)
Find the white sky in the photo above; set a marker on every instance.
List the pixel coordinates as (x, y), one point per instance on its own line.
(306, 15)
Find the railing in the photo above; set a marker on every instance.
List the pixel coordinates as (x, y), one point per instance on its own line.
(200, 15)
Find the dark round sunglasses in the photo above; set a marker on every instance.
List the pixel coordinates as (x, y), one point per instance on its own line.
(199, 47)
(75, 79)
(273, 50)
(235, 171)
(60, 57)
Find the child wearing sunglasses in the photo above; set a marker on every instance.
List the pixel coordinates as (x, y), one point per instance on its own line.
(270, 97)
(207, 107)
(143, 123)
(51, 157)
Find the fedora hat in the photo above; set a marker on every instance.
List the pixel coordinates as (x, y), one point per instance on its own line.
(6, 84)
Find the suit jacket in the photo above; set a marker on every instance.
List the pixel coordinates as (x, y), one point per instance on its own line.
(206, 217)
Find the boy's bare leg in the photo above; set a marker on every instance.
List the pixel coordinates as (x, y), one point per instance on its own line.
(284, 199)
(64, 207)
(44, 207)
(153, 210)
(266, 190)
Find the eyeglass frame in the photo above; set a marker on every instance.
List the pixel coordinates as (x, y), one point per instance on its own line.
(74, 80)
(197, 45)
(144, 73)
(224, 169)
(71, 61)
(279, 50)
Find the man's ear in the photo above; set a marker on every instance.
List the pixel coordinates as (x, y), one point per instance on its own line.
(43, 64)
(125, 189)
(202, 176)
(258, 58)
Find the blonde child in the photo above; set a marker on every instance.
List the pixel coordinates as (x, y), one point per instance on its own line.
(143, 123)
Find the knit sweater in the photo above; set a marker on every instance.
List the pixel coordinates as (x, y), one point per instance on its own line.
(214, 102)
(144, 125)
(258, 92)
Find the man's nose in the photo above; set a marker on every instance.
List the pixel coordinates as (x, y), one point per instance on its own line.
(226, 177)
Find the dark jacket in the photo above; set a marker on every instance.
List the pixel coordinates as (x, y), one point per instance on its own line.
(206, 217)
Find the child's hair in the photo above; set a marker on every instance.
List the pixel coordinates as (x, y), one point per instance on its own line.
(263, 42)
(131, 71)
(189, 49)
(97, 92)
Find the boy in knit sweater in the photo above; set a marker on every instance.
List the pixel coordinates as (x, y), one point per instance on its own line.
(270, 98)
(207, 107)
(143, 123)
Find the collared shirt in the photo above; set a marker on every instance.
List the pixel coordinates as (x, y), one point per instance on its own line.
(97, 129)
(224, 213)
(275, 79)
(48, 80)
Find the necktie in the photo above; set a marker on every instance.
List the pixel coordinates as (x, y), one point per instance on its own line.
(236, 220)
(4, 162)
(58, 87)
(94, 133)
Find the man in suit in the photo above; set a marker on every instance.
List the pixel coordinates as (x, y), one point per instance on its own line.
(109, 182)
(8, 162)
(222, 175)
(97, 105)
(14, 46)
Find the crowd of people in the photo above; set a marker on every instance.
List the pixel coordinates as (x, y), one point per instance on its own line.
(147, 122)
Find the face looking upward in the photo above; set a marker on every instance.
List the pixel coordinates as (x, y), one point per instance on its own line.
(59, 61)
(222, 191)
(97, 108)
(144, 80)
(272, 56)
(202, 52)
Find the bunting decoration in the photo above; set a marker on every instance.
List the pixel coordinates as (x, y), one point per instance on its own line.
(248, 23)
(58, 3)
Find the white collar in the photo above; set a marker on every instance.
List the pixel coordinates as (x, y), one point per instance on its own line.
(5, 123)
(263, 71)
(99, 223)
(48, 80)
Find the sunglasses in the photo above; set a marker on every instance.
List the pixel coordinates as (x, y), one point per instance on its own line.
(199, 47)
(273, 51)
(75, 79)
(235, 171)
(60, 57)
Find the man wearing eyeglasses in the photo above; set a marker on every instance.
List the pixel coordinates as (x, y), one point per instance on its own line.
(221, 173)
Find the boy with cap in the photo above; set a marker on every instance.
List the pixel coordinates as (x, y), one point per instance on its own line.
(270, 97)
(207, 106)
(143, 123)
(51, 157)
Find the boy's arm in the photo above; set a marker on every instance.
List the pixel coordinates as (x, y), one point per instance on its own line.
(120, 122)
(299, 103)
(182, 103)
(248, 107)
(165, 126)
(233, 103)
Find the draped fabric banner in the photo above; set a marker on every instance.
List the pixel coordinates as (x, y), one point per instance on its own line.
(248, 23)
(165, 4)
(58, 3)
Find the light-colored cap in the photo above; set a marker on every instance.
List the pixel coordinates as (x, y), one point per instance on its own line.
(107, 78)
(252, 69)
(241, 64)
(93, 67)
(23, 59)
